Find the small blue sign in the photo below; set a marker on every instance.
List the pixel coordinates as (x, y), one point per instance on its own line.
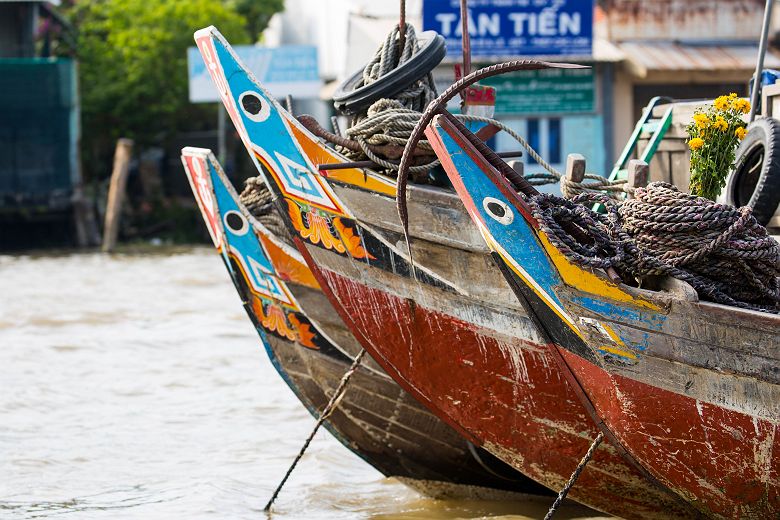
(289, 69)
(515, 28)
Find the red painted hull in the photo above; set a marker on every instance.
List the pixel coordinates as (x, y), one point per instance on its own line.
(655, 422)
(506, 395)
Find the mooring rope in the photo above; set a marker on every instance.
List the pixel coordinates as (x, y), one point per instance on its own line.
(326, 412)
(574, 476)
(721, 251)
(615, 189)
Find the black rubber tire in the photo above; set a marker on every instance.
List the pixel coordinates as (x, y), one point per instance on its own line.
(348, 100)
(755, 180)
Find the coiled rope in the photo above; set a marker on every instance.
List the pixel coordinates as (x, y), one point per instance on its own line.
(721, 251)
(259, 200)
(392, 121)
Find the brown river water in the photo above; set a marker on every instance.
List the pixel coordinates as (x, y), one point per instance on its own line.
(134, 386)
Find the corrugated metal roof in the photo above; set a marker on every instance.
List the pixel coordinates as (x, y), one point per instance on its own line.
(673, 57)
(694, 20)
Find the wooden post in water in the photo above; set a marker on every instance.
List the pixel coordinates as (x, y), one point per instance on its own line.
(116, 192)
(638, 175)
(575, 167)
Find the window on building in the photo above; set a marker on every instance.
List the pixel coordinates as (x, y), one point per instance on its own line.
(554, 140)
(533, 138)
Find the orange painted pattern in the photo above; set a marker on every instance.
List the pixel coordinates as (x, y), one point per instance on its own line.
(287, 267)
(275, 320)
(317, 231)
(303, 332)
(319, 154)
(352, 241)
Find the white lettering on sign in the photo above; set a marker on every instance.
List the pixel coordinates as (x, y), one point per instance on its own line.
(446, 19)
(569, 23)
(488, 24)
(546, 23)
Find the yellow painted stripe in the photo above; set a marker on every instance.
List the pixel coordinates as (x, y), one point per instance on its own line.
(613, 335)
(529, 281)
(619, 352)
(586, 281)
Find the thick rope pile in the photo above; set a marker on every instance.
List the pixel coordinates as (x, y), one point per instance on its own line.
(259, 201)
(721, 251)
(387, 58)
(385, 121)
(392, 121)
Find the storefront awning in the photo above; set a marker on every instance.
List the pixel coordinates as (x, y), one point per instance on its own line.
(646, 57)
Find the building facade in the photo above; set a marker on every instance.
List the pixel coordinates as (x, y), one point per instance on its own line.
(680, 49)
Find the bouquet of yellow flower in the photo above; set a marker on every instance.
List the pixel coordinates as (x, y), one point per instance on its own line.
(713, 137)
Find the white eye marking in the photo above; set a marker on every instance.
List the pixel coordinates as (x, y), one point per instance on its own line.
(254, 106)
(236, 222)
(498, 210)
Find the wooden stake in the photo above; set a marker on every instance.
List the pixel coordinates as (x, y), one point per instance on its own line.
(575, 167)
(116, 192)
(517, 166)
(638, 174)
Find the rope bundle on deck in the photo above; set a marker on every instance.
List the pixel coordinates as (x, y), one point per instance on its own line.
(259, 200)
(390, 121)
(387, 58)
(722, 251)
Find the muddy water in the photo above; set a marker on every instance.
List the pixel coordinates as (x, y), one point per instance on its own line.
(134, 386)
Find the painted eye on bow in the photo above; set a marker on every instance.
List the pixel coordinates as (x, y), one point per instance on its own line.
(236, 222)
(498, 210)
(254, 106)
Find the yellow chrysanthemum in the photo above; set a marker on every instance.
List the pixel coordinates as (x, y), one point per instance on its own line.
(720, 124)
(722, 103)
(733, 95)
(740, 132)
(702, 121)
(741, 105)
(696, 143)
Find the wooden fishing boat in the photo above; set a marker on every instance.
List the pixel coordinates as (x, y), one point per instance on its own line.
(452, 334)
(376, 419)
(690, 389)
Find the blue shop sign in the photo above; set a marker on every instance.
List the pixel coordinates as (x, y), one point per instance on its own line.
(514, 28)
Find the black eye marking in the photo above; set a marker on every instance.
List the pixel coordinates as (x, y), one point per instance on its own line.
(252, 104)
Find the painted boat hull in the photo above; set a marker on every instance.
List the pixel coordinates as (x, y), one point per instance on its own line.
(691, 390)
(476, 365)
(376, 419)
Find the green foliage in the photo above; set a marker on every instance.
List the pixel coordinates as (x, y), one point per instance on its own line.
(133, 68)
(713, 136)
(257, 14)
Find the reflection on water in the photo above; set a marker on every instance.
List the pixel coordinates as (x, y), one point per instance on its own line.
(133, 386)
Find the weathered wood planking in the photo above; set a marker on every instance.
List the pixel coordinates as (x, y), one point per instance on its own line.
(688, 388)
(376, 419)
(508, 394)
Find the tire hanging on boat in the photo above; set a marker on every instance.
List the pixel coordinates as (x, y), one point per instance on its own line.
(390, 73)
(755, 180)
